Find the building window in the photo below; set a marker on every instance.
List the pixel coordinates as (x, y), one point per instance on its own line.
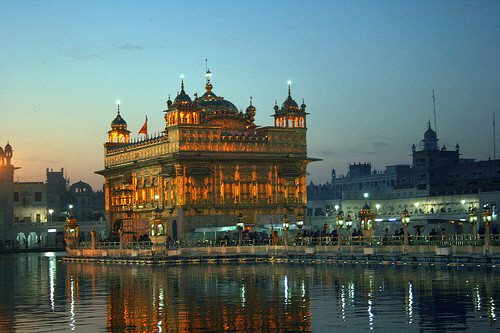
(38, 196)
(16, 196)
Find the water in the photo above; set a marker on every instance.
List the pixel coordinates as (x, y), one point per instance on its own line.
(39, 293)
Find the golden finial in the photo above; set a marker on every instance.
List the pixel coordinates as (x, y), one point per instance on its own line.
(208, 85)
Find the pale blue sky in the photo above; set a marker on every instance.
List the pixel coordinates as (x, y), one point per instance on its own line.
(366, 70)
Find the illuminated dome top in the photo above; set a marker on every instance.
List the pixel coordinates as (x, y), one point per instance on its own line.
(183, 98)
(71, 220)
(118, 122)
(251, 110)
(213, 104)
(429, 134)
(289, 105)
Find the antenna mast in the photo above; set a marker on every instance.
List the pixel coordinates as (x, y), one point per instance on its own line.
(434, 107)
(494, 139)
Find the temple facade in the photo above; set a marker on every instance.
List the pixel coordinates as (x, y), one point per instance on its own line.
(210, 164)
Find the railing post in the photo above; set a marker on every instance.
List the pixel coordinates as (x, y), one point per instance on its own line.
(120, 232)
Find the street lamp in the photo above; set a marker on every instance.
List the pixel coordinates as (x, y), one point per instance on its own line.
(240, 225)
(473, 220)
(348, 224)
(50, 213)
(300, 221)
(405, 218)
(285, 228)
(487, 218)
(340, 223)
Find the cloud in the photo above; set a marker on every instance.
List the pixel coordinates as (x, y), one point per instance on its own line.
(380, 144)
(327, 153)
(78, 53)
(128, 47)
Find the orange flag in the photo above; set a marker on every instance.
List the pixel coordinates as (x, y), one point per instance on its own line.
(144, 129)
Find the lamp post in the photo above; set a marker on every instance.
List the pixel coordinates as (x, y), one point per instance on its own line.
(300, 222)
(50, 213)
(348, 224)
(405, 218)
(473, 221)
(285, 228)
(340, 222)
(487, 218)
(240, 225)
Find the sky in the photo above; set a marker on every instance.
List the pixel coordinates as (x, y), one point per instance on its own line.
(365, 69)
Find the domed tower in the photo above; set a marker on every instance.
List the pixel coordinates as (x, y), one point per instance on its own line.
(430, 141)
(290, 115)
(8, 154)
(119, 132)
(182, 110)
(250, 114)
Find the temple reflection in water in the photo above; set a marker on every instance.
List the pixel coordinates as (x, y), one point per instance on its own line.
(261, 297)
(37, 291)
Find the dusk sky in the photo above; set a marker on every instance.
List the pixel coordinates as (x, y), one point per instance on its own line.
(366, 70)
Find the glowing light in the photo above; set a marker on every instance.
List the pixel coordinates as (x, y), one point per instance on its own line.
(118, 101)
(51, 230)
(417, 204)
(365, 195)
(393, 219)
(377, 206)
(463, 201)
(379, 220)
(182, 76)
(285, 283)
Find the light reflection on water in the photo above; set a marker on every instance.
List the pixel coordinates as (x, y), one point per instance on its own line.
(39, 293)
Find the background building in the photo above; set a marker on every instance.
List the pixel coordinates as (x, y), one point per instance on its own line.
(439, 188)
(211, 163)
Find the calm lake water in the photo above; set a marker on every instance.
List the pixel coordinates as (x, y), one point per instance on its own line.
(39, 293)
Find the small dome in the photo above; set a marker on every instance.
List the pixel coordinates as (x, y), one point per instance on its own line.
(429, 134)
(216, 105)
(118, 122)
(276, 107)
(366, 207)
(289, 104)
(71, 219)
(183, 98)
(8, 148)
(251, 110)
